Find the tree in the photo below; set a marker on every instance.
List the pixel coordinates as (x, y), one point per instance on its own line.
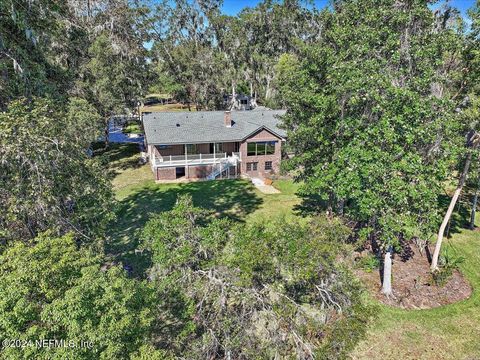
(115, 82)
(210, 54)
(469, 113)
(184, 47)
(473, 76)
(269, 30)
(254, 291)
(51, 289)
(31, 62)
(472, 145)
(474, 202)
(47, 179)
(371, 116)
(112, 73)
(451, 207)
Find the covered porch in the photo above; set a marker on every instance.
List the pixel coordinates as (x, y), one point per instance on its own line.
(192, 154)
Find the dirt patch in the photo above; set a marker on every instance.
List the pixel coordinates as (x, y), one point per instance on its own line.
(412, 285)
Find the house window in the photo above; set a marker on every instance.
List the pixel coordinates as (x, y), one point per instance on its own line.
(270, 148)
(163, 147)
(268, 165)
(218, 147)
(192, 149)
(252, 166)
(251, 149)
(261, 148)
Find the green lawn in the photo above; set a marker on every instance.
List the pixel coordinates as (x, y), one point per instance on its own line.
(132, 128)
(138, 196)
(449, 332)
(167, 107)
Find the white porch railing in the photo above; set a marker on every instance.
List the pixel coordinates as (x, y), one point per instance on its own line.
(193, 159)
(224, 166)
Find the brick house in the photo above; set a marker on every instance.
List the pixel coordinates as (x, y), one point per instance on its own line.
(214, 144)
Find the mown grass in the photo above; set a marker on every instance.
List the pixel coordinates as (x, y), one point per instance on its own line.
(167, 107)
(138, 196)
(449, 332)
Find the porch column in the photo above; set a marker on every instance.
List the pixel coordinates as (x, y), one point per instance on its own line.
(214, 157)
(186, 156)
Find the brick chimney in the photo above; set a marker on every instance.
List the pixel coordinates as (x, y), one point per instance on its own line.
(227, 118)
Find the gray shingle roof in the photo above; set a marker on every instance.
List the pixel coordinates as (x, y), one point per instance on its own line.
(208, 126)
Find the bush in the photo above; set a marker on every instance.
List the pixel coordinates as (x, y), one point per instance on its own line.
(51, 289)
(254, 291)
(447, 265)
(368, 263)
(132, 128)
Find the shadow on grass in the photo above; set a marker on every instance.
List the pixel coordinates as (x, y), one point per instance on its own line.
(119, 157)
(232, 198)
(309, 205)
(116, 151)
(314, 204)
(461, 215)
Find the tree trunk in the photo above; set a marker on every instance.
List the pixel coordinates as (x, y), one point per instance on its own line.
(446, 219)
(234, 104)
(340, 206)
(331, 198)
(267, 90)
(107, 143)
(387, 273)
(253, 101)
(474, 206)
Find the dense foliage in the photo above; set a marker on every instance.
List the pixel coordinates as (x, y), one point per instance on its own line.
(376, 114)
(48, 180)
(256, 291)
(201, 55)
(65, 67)
(53, 290)
(380, 97)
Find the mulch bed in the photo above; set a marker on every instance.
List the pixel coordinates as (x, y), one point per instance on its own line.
(412, 285)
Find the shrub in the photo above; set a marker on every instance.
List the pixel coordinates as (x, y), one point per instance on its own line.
(448, 263)
(255, 291)
(51, 289)
(368, 263)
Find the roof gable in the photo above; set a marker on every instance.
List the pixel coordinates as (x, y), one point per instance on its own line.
(259, 130)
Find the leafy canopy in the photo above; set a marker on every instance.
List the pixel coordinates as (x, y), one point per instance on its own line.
(51, 289)
(47, 180)
(372, 118)
(253, 291)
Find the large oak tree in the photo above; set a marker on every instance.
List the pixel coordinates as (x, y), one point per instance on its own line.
(372, 116)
